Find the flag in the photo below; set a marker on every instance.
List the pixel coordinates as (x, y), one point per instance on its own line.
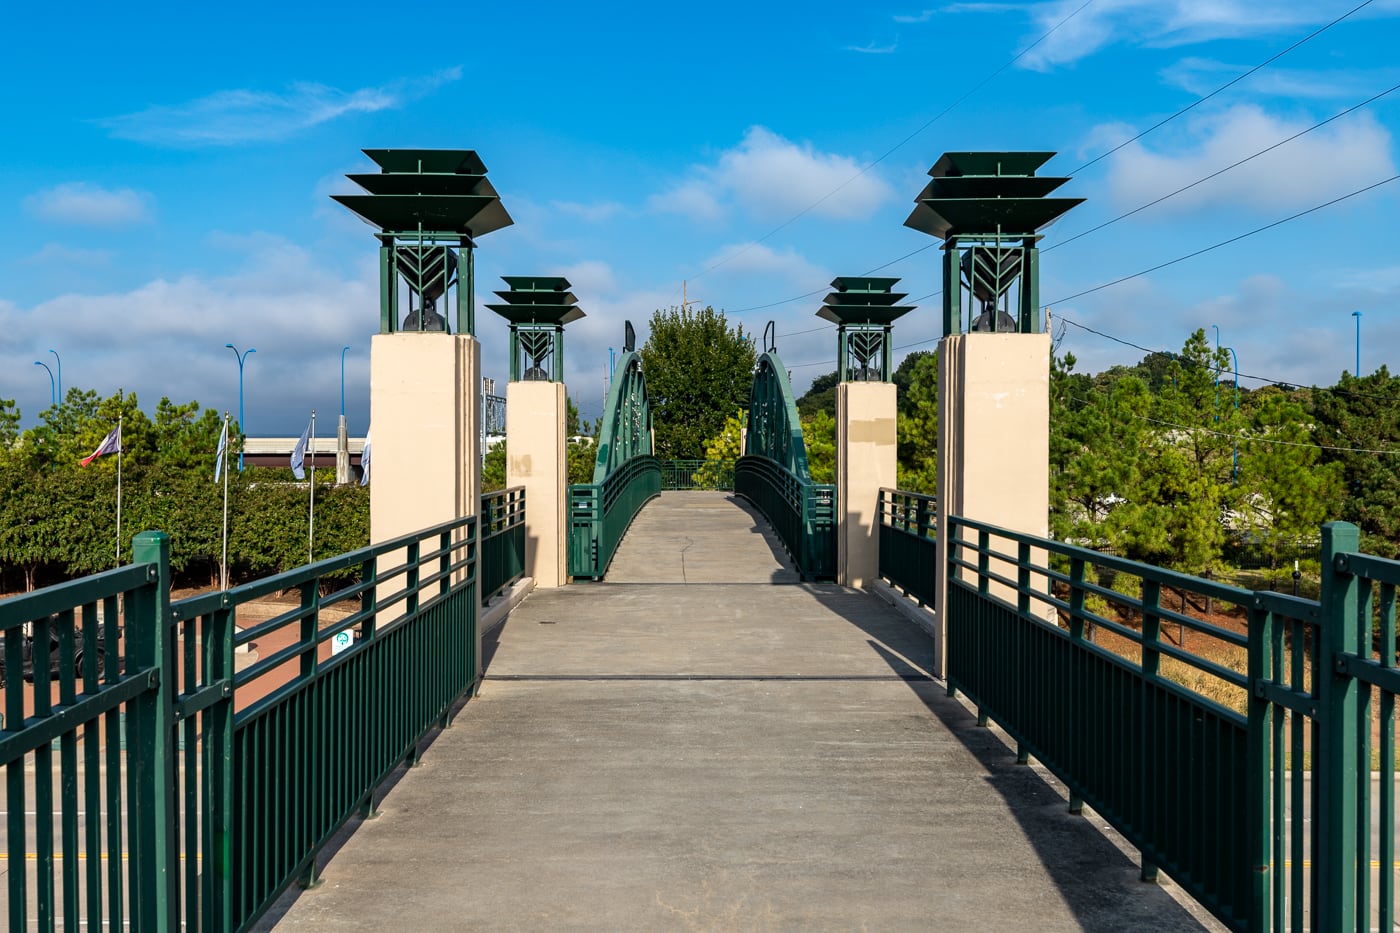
(110, 445)
(364, 462)
(219, 455)
(299, 454)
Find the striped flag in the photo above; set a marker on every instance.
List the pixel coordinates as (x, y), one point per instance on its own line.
(364, 462)
(110, 445)
(219, 455)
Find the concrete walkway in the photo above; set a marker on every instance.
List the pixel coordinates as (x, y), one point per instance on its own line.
(725, 755)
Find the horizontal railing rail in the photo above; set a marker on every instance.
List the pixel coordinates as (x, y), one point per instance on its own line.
(234, 776)
(715, 475)
(909, 542)
(802, 513)
(600, 513)
(502, 540)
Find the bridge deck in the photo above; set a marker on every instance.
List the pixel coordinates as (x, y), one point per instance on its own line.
(665, 753)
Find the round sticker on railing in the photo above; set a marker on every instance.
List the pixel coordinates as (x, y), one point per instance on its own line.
(341, 640)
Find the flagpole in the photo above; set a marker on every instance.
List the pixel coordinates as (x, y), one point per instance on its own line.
(311, 519)
(223, 566)
(119, 480)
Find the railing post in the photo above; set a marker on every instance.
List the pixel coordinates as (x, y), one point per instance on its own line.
(1335, 764)
(150, 724)
(1260, 716)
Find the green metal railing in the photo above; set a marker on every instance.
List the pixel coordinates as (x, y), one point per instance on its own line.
(908, 542)
(600, 513)
(697, 474)
(802, 513)
(502, 540)
(1249, 781)
(232, 779)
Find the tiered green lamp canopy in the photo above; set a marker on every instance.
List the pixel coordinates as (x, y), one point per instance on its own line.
(537, 307)
(864, 310)
(430, 207)
(988, 208)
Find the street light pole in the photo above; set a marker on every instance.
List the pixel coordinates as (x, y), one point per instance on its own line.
(1357, 315)
(1235, 470)
(59, 362)
(242, 428)
(1217, 372)
(342, 380)
(53, 393)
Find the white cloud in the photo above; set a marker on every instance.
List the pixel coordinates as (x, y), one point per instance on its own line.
(757, 259)
(870, 48)
(1200, 76)
(593, 213)
(772, 178)
(590, 277)
(1156, 23)
(1339, 158)
(60, 255)
(85, 204)
(231, 117)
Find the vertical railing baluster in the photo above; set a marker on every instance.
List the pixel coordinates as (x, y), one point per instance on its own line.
(1259, 716)
(1386, 818)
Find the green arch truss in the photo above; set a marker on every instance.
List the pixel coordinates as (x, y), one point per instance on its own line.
(626, 429)
(625, 474)
(773, 474)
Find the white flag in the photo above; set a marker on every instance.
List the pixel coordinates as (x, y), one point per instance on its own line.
(299, 454)
(219, 456)
(364, 462)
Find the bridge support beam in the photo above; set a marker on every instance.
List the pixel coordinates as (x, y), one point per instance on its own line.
(866, 417)
(538, 459)
(424, 409)
(993, 446)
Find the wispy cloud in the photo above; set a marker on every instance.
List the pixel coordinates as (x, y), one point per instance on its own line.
(228, 118)
(923, 16)
(1200, 76)
(771, 178)
(593, 213)
(89, 205)
(1155, 23)
(59, 255)
(870, 48)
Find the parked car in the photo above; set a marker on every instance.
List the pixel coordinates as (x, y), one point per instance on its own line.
(26, 661)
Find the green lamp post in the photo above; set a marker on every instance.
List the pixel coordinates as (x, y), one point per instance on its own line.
(864, 310)
(537, 308)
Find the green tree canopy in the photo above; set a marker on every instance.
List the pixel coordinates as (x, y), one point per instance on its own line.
(698, 370)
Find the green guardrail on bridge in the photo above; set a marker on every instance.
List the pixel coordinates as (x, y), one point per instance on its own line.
(1242, 766)
(908, 542)
(703, 475)
(502, 540)
(600, 513)
(803, 514)
(187, 792)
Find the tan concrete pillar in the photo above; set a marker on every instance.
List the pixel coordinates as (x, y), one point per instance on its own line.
(993, 445)
(866, 421)
(538, 459)
(424, 405)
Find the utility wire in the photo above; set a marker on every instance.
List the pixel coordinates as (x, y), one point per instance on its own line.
(889, 152)
(1228, 84)
(1227, 168)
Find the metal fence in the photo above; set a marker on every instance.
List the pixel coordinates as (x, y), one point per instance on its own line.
(697, 474)
(908, 542)
(802, 513)
(502, 540)
(1241, 766)
(600, 513)
(192, 791)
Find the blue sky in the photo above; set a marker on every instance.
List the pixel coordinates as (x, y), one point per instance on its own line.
(167, 175)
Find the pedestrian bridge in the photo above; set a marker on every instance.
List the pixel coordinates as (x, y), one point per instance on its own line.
(703, 742)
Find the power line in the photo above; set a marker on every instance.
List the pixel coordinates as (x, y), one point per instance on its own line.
(1227, 168)
(889, 152)
(1228, 84)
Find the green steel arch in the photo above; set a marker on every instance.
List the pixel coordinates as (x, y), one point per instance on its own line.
(773, 474)
(626, 428)
(625, 474)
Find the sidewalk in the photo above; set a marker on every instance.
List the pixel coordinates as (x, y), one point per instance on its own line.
(743, 755)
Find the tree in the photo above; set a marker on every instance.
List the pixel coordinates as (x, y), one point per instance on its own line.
(821, 396)
(918, 423)
(698, 370)
(819, 434)
(1360, 418)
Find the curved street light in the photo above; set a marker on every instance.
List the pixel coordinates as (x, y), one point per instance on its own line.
(242, 429)
(1235, 470)
(59, 362)
(1357, 315)
(53, 393)
(342, 381)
